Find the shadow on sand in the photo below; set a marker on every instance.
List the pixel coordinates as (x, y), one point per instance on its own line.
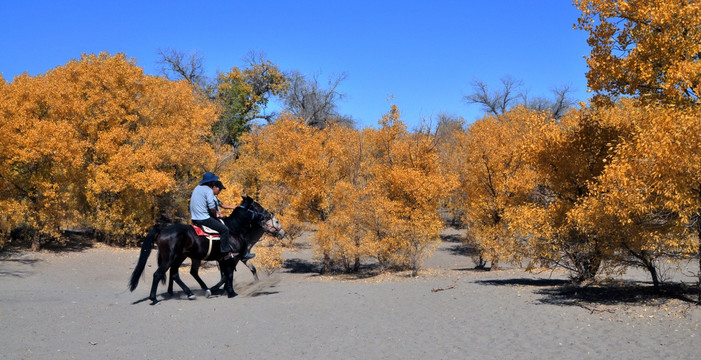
(564, 293)
(366, 271)
(456, 245)
(18, 267)
(72, 240)
(300, 266)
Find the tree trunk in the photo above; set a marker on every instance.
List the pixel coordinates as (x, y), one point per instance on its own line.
(649, 263)
(655, 279)
(586, 271)
(327, 264)
(698, 234)
(480, 263)
(495, 264)
(36, 241)
(698, 283)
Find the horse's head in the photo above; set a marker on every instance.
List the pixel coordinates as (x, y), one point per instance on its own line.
(262, 217)
(266, 219)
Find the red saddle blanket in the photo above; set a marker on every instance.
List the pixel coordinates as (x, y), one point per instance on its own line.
(198, 230)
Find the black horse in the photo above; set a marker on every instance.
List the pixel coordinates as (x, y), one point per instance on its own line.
(251, 236)
(179, 241)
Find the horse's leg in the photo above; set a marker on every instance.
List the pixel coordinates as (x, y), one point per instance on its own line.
(171, 278)
(229, 278)
(158, 275)
(222, 274)
(194, 271)
(170, 282)
(252, 268)
(222, 279)
(173, 272)
(176, 277)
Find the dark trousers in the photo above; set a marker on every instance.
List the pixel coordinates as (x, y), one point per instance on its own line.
(219, 226)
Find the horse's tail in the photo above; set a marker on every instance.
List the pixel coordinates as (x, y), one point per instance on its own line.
(146, 248)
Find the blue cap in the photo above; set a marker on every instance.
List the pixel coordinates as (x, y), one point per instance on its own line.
(208, 177)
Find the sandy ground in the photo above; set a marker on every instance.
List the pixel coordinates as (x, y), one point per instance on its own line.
(74, 305)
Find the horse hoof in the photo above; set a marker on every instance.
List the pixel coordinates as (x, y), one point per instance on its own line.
(192, 297)
(208, 294)
(232, 295)
(156, 302)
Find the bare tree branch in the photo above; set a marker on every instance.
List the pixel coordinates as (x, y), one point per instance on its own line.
(317, 106)
(174, 66)
(497, 102)
(509, 95)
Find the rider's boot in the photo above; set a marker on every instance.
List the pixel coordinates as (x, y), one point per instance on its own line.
(246, 255)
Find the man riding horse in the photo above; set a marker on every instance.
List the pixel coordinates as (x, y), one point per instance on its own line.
(204, 211)
(176, 242)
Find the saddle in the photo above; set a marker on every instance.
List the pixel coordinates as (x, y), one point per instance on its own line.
(209, 233)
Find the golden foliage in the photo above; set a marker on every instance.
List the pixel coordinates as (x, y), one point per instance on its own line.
(493, 178)
(644, 202)
(647, 48)
(372, 193)
(598, 190)
(406, 188)
(286, 167)
(96, 141)
(569, 156)
(649, 194)
(269, 254)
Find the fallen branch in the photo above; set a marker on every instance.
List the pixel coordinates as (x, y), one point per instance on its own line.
(447, 288)
(592, 310)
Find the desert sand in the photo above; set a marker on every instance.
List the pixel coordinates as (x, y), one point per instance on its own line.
(75, 305)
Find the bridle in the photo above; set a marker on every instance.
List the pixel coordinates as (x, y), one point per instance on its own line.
(268, 225)
(264, 217)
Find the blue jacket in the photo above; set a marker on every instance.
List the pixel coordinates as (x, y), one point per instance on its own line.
(201, 200)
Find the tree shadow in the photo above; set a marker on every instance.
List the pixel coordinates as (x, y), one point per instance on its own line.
(12, 271)
(300, 266)
(620, 293)
(71, 246)
(452, 238)
(71, 241)
(524, 282)
(457, 245)
(564, 293)
(366, 271)
(474, 269)
(11, 264)
(298, 245)
(462, 250)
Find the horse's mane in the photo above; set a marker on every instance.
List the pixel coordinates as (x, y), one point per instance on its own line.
(241, 219)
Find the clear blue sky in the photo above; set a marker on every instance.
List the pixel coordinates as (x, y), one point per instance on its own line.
(422, 54)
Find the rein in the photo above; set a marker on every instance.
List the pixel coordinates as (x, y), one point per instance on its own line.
(253, 212)
(262, 214)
